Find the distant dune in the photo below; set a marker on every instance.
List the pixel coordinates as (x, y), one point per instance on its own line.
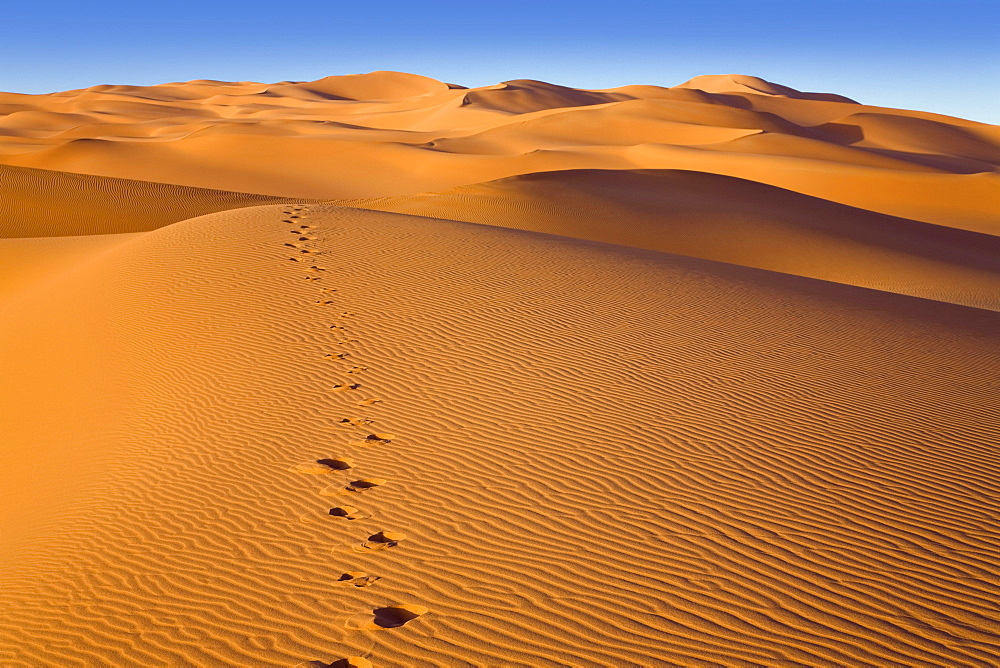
(378, 370)
(387, 133)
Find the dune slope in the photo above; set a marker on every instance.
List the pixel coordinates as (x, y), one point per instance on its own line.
(595, 455)
(730, 220)
(45, 203)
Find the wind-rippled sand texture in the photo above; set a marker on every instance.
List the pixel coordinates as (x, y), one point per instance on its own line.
(699, 376)
(599, 456)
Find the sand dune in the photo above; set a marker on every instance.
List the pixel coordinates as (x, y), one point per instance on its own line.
(690, 376)
(730, 220)
(732, 470)
(44, 203)
(388, 134)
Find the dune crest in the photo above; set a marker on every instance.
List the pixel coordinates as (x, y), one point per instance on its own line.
(739, 83)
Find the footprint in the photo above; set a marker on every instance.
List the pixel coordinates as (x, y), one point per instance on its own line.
(365, 484)
(352, 662)
(346, 314)
(368, 402)
(344, 342)
(355, 422)
(337, 463)
(335, 356)
(328, 290)
(349, 662)
(315, 268)
(394, 616)
(374, 439)
(324, 302)
(389, 617)
(321, 466)
(357, 369)
(291, 245)
(345, 388)
(357, 579)
(348, 513)
(354, 487)
(312, 468)
(383, 540)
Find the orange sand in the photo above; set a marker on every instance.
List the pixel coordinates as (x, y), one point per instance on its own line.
(384, 368)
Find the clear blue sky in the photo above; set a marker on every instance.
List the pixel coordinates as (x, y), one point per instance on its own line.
(941, 55)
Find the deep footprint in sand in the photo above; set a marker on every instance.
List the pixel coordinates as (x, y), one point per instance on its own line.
(353, 487)
(351, 662)
(364, 484)
(374, 439)
(335, 356)
(388, 617)
(357, 579)
(394, 616)
(337, 463)
(368, 402)
(348, 513)
(322, 466)
(383, 540)
(357, 369)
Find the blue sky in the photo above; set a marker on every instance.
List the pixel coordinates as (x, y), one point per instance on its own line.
(941, 56)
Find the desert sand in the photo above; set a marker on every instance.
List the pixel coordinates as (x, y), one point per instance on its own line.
(378, 370)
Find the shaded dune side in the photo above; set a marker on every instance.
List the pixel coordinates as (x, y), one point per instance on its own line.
(730, 220)
(43, 203)
(599, 456)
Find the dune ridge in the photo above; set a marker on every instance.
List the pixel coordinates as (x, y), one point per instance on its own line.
(382, 371)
